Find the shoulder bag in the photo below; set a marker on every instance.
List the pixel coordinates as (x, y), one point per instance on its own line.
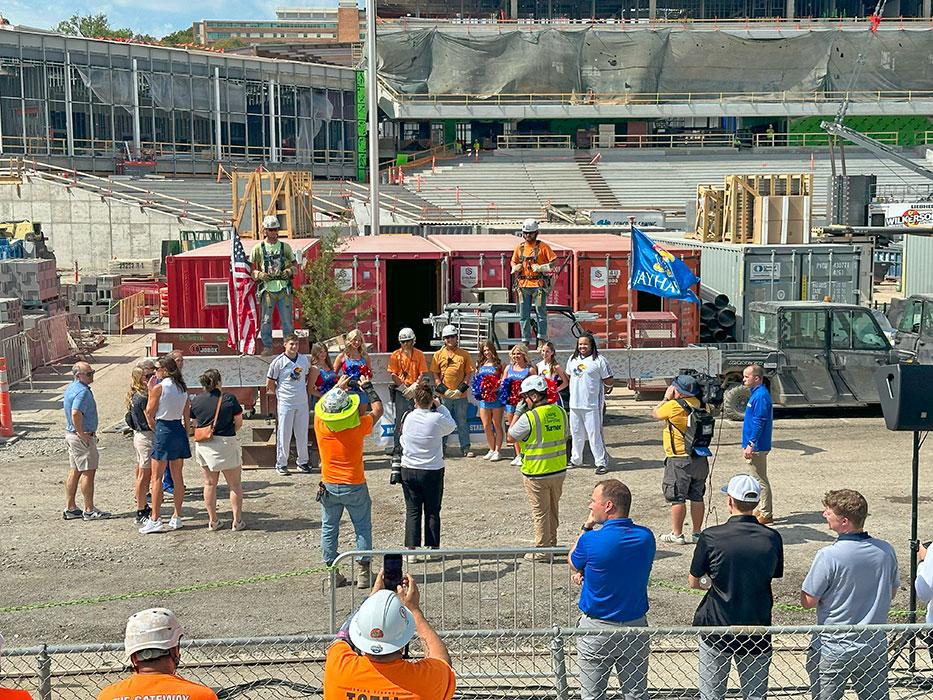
(205, 433)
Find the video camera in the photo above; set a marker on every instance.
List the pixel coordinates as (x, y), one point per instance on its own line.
(711, 392)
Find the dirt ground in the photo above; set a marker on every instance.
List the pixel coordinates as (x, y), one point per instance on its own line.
(69, 582)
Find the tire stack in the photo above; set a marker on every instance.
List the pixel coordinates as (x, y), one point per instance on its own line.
(717, 320)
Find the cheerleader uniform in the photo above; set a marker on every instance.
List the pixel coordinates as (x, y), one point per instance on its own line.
(353, 368)
(516, 375)
(493, 370)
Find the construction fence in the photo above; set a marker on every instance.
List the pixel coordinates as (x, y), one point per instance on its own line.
(878, 662)
(47, 342)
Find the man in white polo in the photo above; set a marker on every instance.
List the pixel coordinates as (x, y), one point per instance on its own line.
(288, 380)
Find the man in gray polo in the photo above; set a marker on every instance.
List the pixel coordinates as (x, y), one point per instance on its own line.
(851, 582)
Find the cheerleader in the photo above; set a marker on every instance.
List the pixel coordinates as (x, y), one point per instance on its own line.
(353, 362)
(486, 392)
(519, 368)
(550, 369)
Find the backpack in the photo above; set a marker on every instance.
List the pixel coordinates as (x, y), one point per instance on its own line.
(700, 428)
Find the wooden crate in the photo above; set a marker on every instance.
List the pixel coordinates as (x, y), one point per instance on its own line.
(741, 191)
(708, 224)
(287, 194)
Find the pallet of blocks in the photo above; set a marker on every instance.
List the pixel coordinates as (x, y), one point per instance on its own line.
(743, 191)
(284, 194)
(708, 226)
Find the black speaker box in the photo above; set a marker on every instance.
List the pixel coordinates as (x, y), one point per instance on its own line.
(906, 393)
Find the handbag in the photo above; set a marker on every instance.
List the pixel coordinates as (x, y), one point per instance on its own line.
(205, 433)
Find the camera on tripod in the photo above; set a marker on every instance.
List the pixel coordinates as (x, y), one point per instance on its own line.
(711, 392)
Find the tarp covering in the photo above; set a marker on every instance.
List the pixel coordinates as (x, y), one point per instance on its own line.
(604, 61)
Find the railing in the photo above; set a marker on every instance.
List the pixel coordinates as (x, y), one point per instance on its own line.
(550, 664)
(18, 364)
(927, 138)
(701, 139)
(896, 192)
(49, 340)
(817, 138)
(695, 140)
(533, 141)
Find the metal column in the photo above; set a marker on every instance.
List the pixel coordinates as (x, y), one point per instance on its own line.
(273, 156)
(218, 132)
(789, 9)
(372, 104)
(137, 139)
(652, 9)
(69, 120)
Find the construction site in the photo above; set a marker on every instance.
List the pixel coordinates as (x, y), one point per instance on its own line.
(786, 164)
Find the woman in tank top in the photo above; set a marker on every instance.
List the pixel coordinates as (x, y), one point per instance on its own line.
(490, 408)
(167, 412)
(323, 376)
(550, 369)
(519, 368)
(354, 363)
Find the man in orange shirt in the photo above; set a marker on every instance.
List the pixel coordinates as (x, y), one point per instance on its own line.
(340, 432)
(16, 693)
(406, 367)
(531, 261)
(384, 624)
(152, 647)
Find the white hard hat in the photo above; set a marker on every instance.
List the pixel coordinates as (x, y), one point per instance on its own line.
(535, 382)
(335, 400)
(406, 334)
(449, 329)
(155, 628)
(382, 625)
(530, 226)
(271, 222)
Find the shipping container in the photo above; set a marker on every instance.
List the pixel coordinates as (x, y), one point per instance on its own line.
(198, 283)
(600, 285)
(747, 273)
(401, 280)
(917, 265)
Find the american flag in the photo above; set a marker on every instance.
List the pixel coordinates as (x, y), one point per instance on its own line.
(243, 312)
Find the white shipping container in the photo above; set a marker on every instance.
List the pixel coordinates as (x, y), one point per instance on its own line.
(917, 265)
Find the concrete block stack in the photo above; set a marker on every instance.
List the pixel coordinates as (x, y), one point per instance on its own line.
(35, 282)
(95, 299)
(11, 311)
(8, 330)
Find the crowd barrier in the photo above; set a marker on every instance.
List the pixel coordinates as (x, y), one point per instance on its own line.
(883, 661)
(49, 340)
(19, 365)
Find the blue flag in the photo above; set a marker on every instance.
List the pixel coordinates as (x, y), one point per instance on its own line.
(656, 271)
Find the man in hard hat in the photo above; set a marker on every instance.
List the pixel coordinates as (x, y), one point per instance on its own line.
(273, 265)
(152, 648)
(541, 428)
(375, 666)
(531, 262)
(340, 431)
(406, 367)
(452, 367)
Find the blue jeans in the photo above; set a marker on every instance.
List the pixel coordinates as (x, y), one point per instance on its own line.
(538, 297)
(267, 303)
(458, 410)
(355, 498)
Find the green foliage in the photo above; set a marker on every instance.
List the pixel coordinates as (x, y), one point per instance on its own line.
(92, 26)
(328, 311)
(233, 43)
(182, 36)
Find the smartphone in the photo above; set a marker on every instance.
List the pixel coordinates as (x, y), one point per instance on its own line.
(392, 571)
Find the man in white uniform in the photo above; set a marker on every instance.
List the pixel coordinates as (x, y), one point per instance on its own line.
(288, 380)
(590, 381)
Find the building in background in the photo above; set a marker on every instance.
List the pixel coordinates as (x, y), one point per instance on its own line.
(295, 25)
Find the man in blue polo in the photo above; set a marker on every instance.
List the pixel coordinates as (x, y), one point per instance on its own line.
(612, 562)
(756, 437)
(81, 441)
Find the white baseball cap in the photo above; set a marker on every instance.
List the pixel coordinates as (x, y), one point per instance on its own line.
(534, 383)
(382, 625)
(271, 222)
(155, 628)
(743, 487)
(449, 330)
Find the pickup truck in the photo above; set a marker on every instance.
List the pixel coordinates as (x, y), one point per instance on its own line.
(814, 354)
(913, 337)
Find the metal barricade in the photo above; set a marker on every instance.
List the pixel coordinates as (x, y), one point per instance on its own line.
(49, 340)
(18, 363)
(882, 661)
(475, 588)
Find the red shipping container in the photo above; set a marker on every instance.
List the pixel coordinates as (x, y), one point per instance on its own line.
(483, 261)
(600, 285)
(400, 279)
(198, 279)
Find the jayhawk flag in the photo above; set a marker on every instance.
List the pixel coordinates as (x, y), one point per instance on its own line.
(656, 271)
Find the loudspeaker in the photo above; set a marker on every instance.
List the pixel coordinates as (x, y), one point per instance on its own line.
(906, 393)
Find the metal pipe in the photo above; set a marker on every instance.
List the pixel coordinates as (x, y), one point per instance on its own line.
(69, 120)
(217, 125)
(372, 103)
(137, 138)
(272, 153)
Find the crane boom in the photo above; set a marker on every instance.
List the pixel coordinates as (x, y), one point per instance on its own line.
(869, 144)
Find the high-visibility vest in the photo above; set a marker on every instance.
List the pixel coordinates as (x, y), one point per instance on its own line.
(545, 450)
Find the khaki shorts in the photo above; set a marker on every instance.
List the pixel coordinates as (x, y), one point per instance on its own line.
(142, 442)
(684, 479)
(219, 453)
(84, 458)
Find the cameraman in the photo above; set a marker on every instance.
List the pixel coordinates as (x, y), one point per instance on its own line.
(422, 472)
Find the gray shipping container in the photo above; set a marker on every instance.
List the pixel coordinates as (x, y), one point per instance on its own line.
(781, 272)
(917, 266)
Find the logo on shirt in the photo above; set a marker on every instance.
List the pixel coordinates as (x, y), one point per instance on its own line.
(579, 369)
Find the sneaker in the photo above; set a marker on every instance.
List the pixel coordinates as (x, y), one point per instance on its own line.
(340, 581)
(602, 469)
(95, 514)
(517, 462)
(239, 525)
(494, 456)
(283, 470)
(695, 537)
(143, 515)
(75, 514)
(671, 538)
(487, 455)
(304, 468)
(215, 526)
(468, 453)
(170, 490)
(151, 526)
(571, 465)
(175, 523)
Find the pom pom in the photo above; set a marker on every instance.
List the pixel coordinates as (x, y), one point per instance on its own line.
(551, 390)
(485, 387)
(366, 373)
(505, 389)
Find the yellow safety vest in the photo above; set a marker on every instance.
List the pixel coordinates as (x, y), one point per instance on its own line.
(544, 452)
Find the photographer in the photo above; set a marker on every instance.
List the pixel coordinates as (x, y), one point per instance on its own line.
(375, 665)
(422, 469)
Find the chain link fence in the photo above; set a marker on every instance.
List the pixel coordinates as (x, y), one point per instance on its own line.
(877, 663)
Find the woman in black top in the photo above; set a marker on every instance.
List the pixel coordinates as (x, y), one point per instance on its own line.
(222, 452)
(136, 399)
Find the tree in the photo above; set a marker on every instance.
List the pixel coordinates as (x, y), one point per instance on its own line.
(182, 36)
(325, 307)
(231, 43)
(92, 26)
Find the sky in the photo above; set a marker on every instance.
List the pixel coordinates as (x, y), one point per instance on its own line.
(158, 17)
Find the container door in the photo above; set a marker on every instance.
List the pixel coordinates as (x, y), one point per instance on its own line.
(414, 285)
(363, 278)
(925, 341)
(908, 329)
(829, 273)
(803, 340)
(603, 290)
(858, 349)
(470, 272)
(769, 277)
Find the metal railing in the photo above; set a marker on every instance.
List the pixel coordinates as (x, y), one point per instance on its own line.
(50, 341)
(701, 139)
(18, 364)
(555, 663)
(533, 141)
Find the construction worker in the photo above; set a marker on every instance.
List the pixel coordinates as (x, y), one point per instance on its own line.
(407, 366)
(531, 262)
(273, 265)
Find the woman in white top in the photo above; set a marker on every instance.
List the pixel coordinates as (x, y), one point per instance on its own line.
(423, 432)
(167, 412)
(549, 368)
(590, 381)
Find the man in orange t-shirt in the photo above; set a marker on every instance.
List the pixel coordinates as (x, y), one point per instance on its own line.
(340, 432)
(531, 261)
(152, 647)
(12, 693)
(406, 367)
(379, 630)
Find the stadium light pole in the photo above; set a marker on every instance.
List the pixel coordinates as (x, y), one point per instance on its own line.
(372, 106)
